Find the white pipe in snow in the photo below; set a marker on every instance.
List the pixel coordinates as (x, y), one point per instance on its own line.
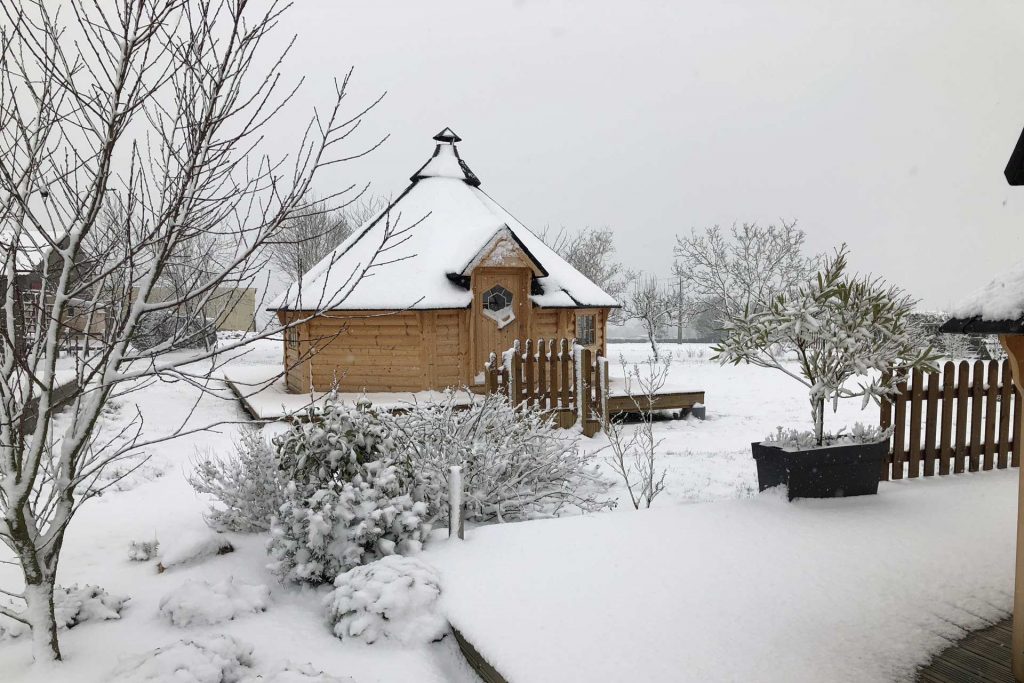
(455, 522)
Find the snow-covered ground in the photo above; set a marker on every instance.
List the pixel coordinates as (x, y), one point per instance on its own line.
(851, 589)
(706, 461)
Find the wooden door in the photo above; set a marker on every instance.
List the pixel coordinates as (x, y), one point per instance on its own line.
(500, 310)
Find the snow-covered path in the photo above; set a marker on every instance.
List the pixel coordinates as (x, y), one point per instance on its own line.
(855, 589)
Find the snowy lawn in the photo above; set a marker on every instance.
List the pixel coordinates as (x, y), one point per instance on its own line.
(854, 589)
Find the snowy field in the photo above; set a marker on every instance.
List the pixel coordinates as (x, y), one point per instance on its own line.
(706, 461)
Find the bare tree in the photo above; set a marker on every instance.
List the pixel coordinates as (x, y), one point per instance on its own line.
(591, 251)
(317, 229)
(727, 273)
(633, 453)
(166, 92)
(651, 304)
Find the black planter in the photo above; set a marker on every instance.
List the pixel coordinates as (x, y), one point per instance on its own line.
(828, 472)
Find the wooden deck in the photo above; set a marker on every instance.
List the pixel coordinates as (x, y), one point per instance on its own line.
(982, 657)
(675, 400)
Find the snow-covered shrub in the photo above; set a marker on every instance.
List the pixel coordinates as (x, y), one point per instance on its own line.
(71, 607)
(290, 672)
(797, 440)
(350, 498)
(394, 598)
(516, 464)
(74, 605)
(247, 486)
(191, 548)
(143, 551)
(838, 327)
(633, 451)
(187, 332)
(202, 602)
(206, 659)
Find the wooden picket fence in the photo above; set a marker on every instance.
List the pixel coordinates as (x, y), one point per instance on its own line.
(964, 418)
(565, 380)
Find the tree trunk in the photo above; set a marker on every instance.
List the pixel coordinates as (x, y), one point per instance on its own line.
(818, 415)
(39, 611)
(654, 346)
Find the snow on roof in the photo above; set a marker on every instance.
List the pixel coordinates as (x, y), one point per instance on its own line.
(401, 258)
(1000, 299)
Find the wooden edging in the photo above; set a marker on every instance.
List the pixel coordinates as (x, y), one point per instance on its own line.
(476, 661)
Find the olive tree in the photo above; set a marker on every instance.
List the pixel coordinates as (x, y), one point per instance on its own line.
(838, 328)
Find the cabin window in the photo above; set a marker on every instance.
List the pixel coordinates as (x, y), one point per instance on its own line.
(585, 329)
(292, 336)
(497, 305)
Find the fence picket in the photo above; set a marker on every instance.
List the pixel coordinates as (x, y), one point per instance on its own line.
(885, 419)
(991, 394)
(529, 378)
(542, 375)
(945, 432)
(963, 385)
(931, 412)
(899, 438)
(1015, 442)
(977, 406)
(914, 460)
(1005, 399)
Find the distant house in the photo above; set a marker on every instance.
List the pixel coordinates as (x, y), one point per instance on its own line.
(36, 266)
(450, 277)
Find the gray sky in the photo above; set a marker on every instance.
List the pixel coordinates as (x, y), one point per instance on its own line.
(884, 124)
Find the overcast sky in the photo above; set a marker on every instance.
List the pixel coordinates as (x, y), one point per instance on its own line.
(883, 124)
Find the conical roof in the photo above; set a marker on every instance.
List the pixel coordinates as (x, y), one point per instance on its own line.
(411, 256)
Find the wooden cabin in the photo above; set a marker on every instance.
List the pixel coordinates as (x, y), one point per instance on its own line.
(421, 295)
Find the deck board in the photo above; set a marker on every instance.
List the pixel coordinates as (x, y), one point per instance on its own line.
(669, 400)
(980, 657)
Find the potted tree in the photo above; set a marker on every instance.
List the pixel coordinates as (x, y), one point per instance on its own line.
(837, 335)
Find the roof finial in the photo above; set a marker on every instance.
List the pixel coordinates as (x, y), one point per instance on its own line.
(447, 135)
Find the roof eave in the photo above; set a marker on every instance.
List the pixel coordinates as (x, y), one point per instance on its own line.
(976, 325)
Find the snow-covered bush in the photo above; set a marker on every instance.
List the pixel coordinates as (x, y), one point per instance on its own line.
(838, 326)
(799, 440)
(202, 602)
(73, 606)
(394, 598)
(206, 659)
(350, 497)
(247, 486)
(516, 464)
(143, 551)
(191, 548)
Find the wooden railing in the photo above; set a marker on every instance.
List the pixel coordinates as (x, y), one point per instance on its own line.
(568, 381)
(965, 417)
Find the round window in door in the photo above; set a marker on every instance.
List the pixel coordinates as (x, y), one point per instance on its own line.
(497, 305)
